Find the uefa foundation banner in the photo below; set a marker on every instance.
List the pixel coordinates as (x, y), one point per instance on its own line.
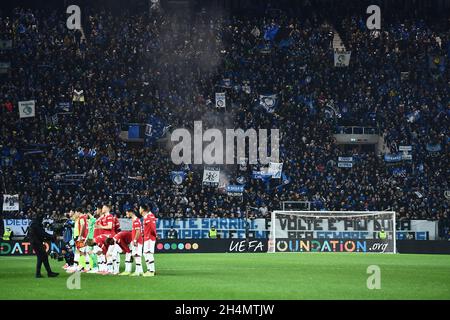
(211, 246)
(333, 245)
(23, 248)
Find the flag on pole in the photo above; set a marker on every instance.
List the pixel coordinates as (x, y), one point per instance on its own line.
(27, 109)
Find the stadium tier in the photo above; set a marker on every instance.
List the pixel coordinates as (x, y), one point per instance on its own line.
(130, 129)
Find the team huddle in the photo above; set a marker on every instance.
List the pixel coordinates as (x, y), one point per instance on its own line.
(99, 241)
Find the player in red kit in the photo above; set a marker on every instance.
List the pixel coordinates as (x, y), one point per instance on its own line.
(101, 249)
(106, 225)
(123, 241)
(107, 221)
(149, 239)
(98, 215)
(116, 225)
(137, 241)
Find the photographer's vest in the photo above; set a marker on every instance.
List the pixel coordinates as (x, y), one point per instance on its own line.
(7, 235)
(382, 235)
(213, 234)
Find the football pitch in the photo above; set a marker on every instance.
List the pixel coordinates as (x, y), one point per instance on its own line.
(243, 276)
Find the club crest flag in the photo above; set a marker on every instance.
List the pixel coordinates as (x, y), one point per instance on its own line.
(211, 176)
(10, 202)
(177, 177)
(342, 59)
(27, 109)
(268, 102)
(275, 169)
(220, 100)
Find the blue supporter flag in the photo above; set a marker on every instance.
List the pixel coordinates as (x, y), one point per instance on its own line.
(178, 177)
(133, 131)
(270, 32)
(154, 130)
(268, 102)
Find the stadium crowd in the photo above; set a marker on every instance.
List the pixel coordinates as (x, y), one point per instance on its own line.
(133, 66)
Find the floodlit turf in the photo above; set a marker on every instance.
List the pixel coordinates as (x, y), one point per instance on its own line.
(244, 276)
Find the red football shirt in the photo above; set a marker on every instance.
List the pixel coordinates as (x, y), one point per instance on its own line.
(150, 227)
(137, 226)
(100, 241)
(109, 218)
(116, 225)
(98, 222)
(83, 220)
(123, 239)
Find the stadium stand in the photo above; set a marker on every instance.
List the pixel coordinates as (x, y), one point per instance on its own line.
(169, 66)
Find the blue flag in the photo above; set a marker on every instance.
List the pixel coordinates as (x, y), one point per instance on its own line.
(154, 130)
(393, 157)
(433, 147)
(63, 107)
(268, 102)
(270, 32)
(177, 177)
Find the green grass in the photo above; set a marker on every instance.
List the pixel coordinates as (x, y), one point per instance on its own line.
(244, 276)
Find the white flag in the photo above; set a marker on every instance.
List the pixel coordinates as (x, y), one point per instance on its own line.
(342, 59)
(27, 108)
(78, 96)
(220, 100)
(211, 176)
(10, 202)
(275, 169)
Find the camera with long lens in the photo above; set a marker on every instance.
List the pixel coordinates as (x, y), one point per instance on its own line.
(57, 227)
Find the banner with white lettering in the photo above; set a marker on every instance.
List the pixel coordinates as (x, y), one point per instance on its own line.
(345, 164)
(393, 157)
(10, 202)
(27, 109)
(198, 228)
(63, 107)
(235, 190)
(334, 228)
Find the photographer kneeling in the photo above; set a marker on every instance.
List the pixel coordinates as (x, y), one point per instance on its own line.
(37, 236)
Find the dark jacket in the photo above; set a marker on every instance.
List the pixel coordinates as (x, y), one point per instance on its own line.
(36, 231)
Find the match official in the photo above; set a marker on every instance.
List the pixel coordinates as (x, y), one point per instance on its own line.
(37, 236)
